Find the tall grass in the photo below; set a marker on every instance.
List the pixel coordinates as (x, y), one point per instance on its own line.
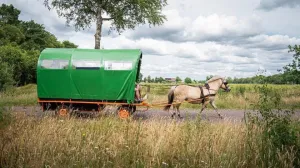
(268, 138)
(109, 142)
(21, 96)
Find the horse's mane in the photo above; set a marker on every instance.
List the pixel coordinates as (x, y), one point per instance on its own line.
(214, 78)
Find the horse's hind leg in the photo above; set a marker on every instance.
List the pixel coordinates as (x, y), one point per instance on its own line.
(212, 102)
(178, 112)
(174, 111)
(204, 104)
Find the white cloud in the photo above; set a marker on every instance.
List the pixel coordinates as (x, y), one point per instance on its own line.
(219, 27)
(213, 27)
(201, 38)
(272, 42)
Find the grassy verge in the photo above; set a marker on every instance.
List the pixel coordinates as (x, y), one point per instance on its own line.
(21, 96)
(269, 138)
(109, 142)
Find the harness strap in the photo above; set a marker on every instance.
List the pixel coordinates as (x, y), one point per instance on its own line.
(202, 94)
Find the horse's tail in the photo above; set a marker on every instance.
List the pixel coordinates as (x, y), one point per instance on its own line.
(170, 98)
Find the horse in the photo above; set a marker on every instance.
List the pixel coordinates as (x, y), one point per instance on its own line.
(196, 94)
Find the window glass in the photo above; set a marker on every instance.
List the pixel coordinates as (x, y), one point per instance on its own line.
(86, 64)
(117, 65)
(55, 64)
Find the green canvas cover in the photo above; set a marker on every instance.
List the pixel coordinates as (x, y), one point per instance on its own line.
(88, 74)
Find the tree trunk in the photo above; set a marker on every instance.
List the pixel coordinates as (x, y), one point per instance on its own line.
(98, 29)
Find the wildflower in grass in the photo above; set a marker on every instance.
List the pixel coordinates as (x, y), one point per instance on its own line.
(165, 164)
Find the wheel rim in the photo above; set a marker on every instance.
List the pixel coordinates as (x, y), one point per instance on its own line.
(123, 113)
(63, 112)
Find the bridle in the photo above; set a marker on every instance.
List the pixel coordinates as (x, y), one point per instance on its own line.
(223, 82)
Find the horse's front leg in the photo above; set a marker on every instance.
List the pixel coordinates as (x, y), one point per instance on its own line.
(204, 104)
(212, 102)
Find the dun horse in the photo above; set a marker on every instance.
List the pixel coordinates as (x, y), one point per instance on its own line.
(196, 95)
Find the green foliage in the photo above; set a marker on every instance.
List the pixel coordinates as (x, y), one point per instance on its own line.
(9, 14)
(187, 80)
(11, 34)
(208, 77)
(149, 79)
(178, 79)
(14, 58)
(122, 14)
(278, 133)
(140, 77)
(6, 76)
(37, 38)
(68, 44)
(20, 45)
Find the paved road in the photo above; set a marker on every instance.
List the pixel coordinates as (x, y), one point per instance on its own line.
(210, 115)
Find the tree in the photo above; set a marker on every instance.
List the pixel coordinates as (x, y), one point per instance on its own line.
(188, 80)
(123, 14)
(149, 79)
(6, 76)
(37, 38)
(11, 34)
(14, 58)
(68, 44)
(140, 77)
(208, 77)
(9, 14)
(292, 70)
(160, 79)
(178, 79)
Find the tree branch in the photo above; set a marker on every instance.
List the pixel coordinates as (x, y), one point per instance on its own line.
(105, 19)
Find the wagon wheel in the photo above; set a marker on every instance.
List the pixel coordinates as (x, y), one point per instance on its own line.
(62, 111)
(124, 112)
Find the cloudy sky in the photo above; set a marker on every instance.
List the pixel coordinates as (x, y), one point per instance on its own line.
(233, 38)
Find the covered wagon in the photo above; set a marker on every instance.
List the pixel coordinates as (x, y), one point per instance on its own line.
(71, 80)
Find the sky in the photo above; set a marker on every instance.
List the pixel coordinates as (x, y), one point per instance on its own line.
(231, 38)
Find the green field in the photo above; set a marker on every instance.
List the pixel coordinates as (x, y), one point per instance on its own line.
(241, 96)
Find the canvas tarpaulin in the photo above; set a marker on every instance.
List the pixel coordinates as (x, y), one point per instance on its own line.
(88, 74)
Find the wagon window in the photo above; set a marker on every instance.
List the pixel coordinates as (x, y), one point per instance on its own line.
(117, 65)
(86, 64)
(55, 64)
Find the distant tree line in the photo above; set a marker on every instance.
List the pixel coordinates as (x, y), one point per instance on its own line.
(20, 45)
(148, 79)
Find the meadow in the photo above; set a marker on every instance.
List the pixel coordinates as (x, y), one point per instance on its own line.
(269, 138)
(241, 96)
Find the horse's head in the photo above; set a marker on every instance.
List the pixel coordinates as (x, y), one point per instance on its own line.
(225, 85)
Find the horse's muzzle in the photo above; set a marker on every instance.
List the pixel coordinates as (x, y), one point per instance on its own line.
(227, 89)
